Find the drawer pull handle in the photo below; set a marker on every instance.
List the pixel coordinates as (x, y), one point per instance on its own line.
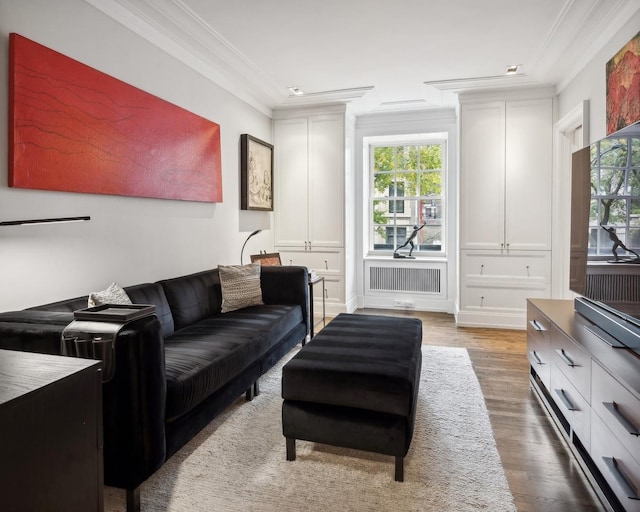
(565, 400)
(568, 361)
(537, 325)
(621, 478)
(612, 407)
(534, 354)
(326, 265)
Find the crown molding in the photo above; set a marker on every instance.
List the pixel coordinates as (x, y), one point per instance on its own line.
(172, 27)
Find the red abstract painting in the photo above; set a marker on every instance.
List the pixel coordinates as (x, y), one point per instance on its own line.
(623, 87)
(73, 128)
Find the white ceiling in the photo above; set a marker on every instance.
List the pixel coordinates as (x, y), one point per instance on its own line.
(378, 54)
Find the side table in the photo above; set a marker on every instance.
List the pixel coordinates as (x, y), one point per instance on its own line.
(51, 424)
(312, 283)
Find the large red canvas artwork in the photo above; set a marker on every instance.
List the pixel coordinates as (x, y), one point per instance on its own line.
(74, 128)
(623, 87)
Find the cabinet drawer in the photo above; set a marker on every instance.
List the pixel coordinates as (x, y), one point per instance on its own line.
(618, 408)
(623, 475)
(487, 297)
(496, 264)
(538, 345)
(574, 407)
(573, 361)
(334, 290)
(321, 261)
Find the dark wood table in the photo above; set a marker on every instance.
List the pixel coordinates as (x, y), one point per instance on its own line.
(50, 433)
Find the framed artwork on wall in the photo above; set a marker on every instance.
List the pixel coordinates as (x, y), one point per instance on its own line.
(256, 174)
(73, 128)
(623, 86)
(269, 259)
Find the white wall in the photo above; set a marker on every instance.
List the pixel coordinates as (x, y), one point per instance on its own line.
(590, 83)
(128, 240)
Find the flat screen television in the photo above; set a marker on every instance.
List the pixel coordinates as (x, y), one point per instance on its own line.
(605, 234)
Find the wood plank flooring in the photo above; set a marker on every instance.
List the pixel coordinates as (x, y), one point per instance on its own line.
(542, 475)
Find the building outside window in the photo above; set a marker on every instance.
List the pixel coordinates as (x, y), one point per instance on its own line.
(414, 171)
(615, 196)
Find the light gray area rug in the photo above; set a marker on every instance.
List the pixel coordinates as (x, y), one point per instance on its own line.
(237, 463)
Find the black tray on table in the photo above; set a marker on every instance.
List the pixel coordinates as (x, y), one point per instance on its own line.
(115, 312)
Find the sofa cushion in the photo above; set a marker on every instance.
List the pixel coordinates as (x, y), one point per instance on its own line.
(368, 362)
(193, 297)
(113, 294)
(201, 358)
(240, 285)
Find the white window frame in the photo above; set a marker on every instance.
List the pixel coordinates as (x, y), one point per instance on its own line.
(404, 140)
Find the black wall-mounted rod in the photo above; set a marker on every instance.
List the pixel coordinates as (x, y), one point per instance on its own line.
(44, 221)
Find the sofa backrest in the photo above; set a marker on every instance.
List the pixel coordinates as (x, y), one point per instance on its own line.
(193, 297)
(153, 293)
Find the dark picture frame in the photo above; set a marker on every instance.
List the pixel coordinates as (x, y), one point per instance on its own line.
(256, 174)
(267, 259)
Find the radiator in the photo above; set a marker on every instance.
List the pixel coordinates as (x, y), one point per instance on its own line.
(613, 287)
(405, 279)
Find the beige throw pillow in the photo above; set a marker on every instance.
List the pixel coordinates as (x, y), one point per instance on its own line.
(114, 294)
(240, 286)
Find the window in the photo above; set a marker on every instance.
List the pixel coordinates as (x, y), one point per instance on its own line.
(615, 196)
(415, 171)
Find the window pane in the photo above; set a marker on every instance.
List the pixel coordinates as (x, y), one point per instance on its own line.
(407, 158)
(408, 181)
(613, 153)
(383, 158)
(381, 184)
(431, 184)
(611, 182)
(431, 157)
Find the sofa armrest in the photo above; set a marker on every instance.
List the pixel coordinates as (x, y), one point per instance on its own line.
(33, 331)
(134, 405)
(286, 285)
(133, 400)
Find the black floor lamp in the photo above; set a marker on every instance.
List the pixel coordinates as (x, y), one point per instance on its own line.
(245, 243)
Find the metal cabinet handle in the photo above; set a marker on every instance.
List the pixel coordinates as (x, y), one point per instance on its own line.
(565, 400)
(612, 407)
(534, 354)
(537, 325)
(568, 361)
(305, 245)
(326, 294)
(621, 478)
(482, 269)
(326, 265)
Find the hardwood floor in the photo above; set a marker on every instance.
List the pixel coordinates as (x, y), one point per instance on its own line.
(542, 475)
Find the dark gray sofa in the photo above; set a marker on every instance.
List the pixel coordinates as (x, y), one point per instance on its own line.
(176, 370)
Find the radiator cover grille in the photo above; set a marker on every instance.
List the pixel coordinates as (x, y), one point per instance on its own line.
(613, 287)
(404, 279)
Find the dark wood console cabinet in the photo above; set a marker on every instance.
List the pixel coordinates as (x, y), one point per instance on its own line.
(50, 433)
(592, 392)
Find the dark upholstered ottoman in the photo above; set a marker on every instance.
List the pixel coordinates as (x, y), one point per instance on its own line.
(355, 385)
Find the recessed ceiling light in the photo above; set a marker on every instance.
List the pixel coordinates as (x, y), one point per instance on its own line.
(296, 90)
(512, 70)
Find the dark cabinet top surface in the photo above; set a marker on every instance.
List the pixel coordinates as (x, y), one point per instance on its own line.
(25, 372)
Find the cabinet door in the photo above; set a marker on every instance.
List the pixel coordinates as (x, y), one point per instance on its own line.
(528, 175)
(326, 180)
(291, 182)
(482, 175)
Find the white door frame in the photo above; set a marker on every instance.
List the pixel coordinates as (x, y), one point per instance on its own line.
(564, 144)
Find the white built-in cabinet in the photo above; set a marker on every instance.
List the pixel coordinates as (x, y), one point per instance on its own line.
(505, 207)
(312, 169)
